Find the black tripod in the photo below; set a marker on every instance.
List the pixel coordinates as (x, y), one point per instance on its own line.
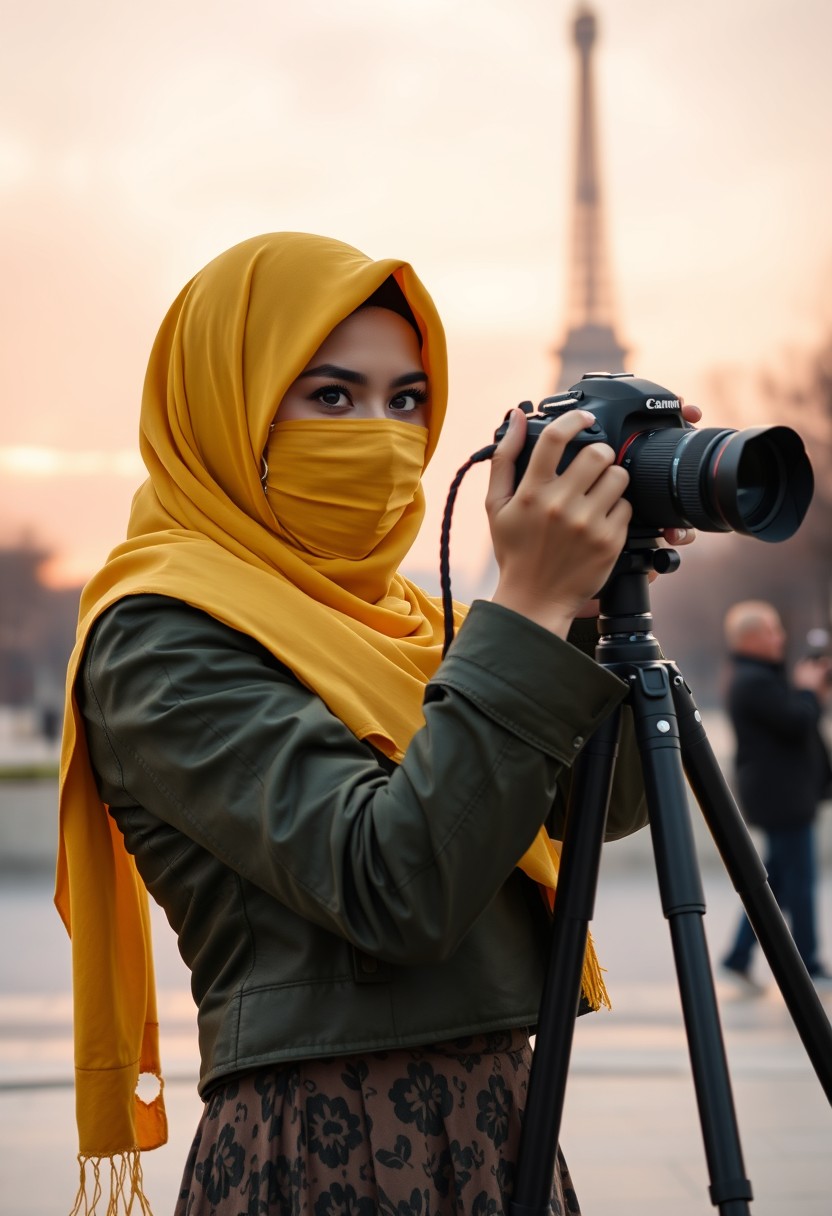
(672, 744)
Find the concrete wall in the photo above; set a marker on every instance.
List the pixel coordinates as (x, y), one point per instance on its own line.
(28, 826)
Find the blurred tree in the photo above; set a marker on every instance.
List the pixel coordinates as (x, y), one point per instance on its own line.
(795, 575)
(803, 400)
(21, 606)
(37, 629)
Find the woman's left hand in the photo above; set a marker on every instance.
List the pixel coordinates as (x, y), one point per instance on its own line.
(670, 537)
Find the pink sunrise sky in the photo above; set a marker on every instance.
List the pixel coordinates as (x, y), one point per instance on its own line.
(136, 142)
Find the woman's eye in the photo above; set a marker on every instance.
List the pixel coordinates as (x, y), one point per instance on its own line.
(332, 396)
(405, 403)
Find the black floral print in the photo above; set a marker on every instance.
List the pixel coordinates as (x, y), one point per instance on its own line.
(223, 1167)
(422, 1098)
(275, 1188)
(495, 1105)
(332, 1130)
(431, 1131)
(343, 1201)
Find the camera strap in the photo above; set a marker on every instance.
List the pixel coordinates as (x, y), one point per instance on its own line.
(445, 542)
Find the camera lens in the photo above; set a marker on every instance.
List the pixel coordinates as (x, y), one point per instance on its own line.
(757, 482)
(762, 482)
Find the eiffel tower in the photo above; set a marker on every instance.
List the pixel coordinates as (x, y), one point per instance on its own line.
(591, 344)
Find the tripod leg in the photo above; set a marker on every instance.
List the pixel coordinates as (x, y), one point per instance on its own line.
(683, 903)
(749, 877)
(574, 905)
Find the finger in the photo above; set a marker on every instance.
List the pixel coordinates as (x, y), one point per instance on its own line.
(607, 490)
(691, 413)
(620, 514)
(617, 524)
(552, 442)
(501, 478)
(590, 465)
(602, 516)
(679, 536)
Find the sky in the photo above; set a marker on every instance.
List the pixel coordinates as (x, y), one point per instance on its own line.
(138, 141)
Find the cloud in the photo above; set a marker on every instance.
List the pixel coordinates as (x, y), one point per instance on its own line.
(33, 462)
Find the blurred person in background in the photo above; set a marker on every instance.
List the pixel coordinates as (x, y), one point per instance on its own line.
(782, 771)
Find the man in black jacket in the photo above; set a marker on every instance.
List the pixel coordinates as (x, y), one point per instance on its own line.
(782, 771)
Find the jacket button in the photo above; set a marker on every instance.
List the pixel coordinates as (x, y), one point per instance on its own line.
(578, 741)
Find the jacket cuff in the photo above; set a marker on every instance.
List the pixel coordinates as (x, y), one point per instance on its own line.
(536, 685)
(583, 633)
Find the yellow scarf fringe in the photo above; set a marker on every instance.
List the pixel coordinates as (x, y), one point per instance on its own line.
(541, 861)
(592, 979)
(126, 1190)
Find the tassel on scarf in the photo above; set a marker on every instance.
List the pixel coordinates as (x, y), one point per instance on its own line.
(542, 863)
(592, 978)
(126, 1186)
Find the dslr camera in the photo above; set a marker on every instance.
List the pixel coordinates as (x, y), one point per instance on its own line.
(818, 651)
(757, 482)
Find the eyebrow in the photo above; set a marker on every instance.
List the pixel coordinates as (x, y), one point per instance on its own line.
(344, 373)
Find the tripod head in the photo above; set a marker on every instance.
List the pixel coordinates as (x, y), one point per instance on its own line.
(625, 622)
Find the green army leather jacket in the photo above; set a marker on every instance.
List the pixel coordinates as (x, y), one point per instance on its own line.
(326, 900)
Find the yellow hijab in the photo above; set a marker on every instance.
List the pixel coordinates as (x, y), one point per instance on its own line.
(201, 531)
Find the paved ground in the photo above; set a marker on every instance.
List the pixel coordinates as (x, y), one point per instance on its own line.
(631, 1131)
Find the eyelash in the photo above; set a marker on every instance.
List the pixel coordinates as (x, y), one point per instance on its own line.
(419, 395)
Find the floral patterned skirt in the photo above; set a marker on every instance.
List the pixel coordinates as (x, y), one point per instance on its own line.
(429, 1131)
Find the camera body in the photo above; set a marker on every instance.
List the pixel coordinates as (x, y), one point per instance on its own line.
(818, 651)
(623, 406)
(757, 482)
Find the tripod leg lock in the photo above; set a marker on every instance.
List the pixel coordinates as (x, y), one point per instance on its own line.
(730, 1188)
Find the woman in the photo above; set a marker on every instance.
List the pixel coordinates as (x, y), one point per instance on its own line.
(346, 833)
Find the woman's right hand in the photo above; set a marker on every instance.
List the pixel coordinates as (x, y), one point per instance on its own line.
(557, 537)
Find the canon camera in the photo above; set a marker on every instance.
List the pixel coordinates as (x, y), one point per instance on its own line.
(757, 482)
